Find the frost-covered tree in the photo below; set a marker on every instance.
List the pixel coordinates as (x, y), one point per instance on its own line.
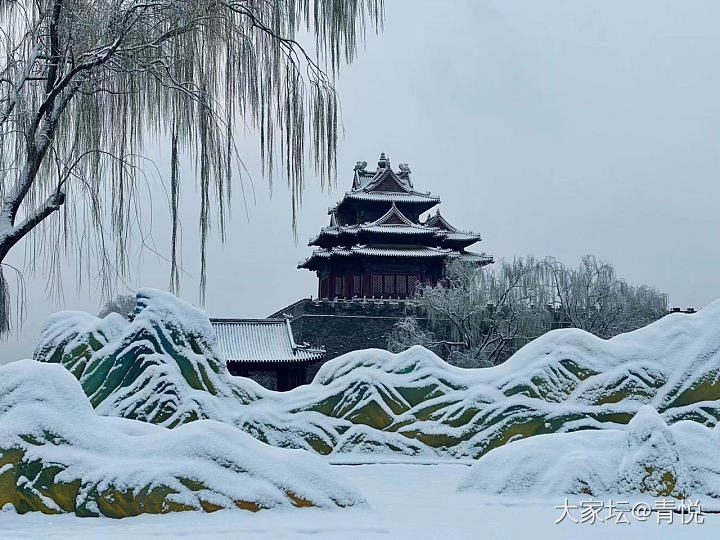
(85, 83)
(477, 314)
(480, 316)
(123, 304)
(592, 297)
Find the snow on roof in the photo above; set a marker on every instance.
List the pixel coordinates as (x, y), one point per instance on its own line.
(380, 229)
(260, 340)
(399, 229)
(453, 234)
(363, 178)
(469, 256)
(438, 221)
(384, 185)
(419, 252)
(392, 196)
(399, 218)
(458, 236)
(395, 222)
(389, 180)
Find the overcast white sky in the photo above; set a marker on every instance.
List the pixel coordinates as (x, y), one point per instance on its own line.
(551, 127)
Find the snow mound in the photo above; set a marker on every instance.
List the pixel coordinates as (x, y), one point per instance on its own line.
(162, 368)
(57, 455)
(647, 456)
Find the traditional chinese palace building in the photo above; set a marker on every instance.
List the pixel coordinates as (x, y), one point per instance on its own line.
(376, 246)
(368, 261)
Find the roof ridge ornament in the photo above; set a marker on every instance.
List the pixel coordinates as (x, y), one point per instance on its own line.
(405, 173)
(359, 169)
(384, 161)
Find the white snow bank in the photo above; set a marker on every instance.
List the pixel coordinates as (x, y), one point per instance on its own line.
(153, 304)
(54, 443)
(648, 456)
(162, 368)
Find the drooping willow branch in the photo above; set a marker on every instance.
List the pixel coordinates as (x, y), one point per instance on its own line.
(85, 84)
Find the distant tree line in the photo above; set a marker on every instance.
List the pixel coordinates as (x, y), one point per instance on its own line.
(480, 316)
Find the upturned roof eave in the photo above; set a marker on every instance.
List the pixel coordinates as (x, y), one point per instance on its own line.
(463, 243)
(324, 255)
(426, 201)
(334, 237)
(294, 360)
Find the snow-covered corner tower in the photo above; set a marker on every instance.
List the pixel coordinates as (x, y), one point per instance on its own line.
(376, 245)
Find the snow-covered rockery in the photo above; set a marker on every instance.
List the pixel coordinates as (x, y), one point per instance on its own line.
(57, 455)
(162, 368)
(646, 456)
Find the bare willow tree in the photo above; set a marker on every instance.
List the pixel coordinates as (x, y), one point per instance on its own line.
(480, 316)
(592, 297)
(476, 314)
(85, 84)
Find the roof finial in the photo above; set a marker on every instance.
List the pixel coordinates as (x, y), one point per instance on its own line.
(384, 162)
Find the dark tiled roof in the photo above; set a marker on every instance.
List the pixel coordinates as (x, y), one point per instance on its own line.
(260, 340)
(371, 251)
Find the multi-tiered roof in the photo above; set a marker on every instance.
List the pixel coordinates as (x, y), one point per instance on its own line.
(375, 230)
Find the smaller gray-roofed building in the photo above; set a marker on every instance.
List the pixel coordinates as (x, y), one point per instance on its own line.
(264, 349)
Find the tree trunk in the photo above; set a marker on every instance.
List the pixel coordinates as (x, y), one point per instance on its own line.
(11, 234)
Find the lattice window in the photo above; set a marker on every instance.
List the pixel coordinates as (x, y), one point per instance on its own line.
(377, 284)
(389, 285)
(339, 288)
(401, 285)
(357, 286)
(324, 292)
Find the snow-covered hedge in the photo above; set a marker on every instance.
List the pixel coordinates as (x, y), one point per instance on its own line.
(58, 455)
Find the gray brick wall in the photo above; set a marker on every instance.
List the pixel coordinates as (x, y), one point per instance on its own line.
(342, 326)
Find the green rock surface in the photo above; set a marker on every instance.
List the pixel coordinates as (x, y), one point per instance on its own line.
(57, 455)
(162, 368)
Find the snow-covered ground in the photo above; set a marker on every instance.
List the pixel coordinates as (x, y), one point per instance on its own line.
(406, 501)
